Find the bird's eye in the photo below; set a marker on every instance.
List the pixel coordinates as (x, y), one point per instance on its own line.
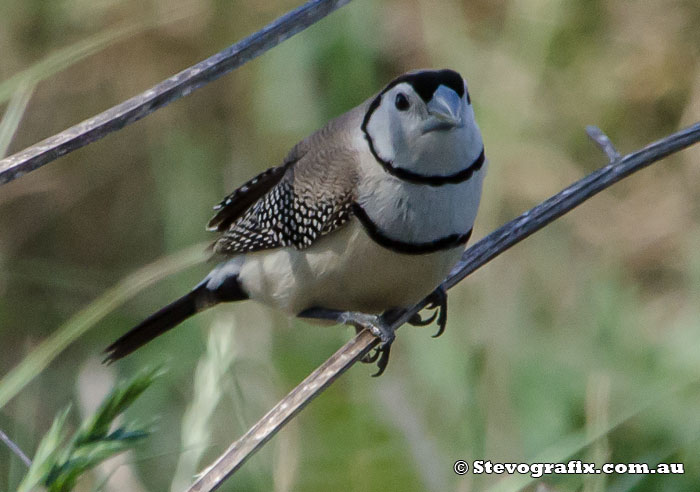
(401, 102)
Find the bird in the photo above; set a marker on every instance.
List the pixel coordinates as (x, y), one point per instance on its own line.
(364, 217)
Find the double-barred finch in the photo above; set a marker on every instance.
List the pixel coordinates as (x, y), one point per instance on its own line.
(365, 216)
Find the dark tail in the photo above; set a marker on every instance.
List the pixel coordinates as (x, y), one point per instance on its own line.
(199, 299)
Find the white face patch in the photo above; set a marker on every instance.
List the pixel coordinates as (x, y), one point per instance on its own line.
(422, 138)
(389, 127)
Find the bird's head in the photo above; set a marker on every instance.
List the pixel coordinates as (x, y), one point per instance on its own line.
(423, 122)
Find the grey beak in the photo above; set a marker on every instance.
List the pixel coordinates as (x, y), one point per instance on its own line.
(446, 106)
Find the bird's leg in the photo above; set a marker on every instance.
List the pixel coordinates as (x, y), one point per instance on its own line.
(380, 329)
(374, 323)
(437, 301)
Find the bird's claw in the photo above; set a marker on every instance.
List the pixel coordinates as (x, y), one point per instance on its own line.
(380, 355)
(417, 320)
(437, 301)
(380, 329)
(371, 357)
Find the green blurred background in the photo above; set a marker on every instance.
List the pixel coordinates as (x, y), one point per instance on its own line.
(589, 329)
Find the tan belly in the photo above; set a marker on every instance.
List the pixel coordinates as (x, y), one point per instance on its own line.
(345, 270)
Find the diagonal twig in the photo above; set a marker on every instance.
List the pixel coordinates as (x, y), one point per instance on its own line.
(537, 217)
(15, 449)
(481, 253)
(605, 144)
(169, 90)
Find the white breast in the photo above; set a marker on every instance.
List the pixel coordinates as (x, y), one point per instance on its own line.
(415, 212)
(418, 213)
(345, 270)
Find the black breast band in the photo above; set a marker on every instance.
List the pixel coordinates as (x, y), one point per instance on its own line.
(446, 242)
(431, 180)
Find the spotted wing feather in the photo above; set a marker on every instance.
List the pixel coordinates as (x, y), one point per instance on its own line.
(312, 195)
(283, 218)
(234, 205)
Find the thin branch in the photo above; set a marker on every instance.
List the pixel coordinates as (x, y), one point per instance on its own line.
(605, 144)
(284, 411)
(536, 218)
(15, 449)
(478, 255)
(169, 90)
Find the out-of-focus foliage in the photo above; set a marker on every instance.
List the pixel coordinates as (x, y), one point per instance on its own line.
(590, 328)
(58, 464)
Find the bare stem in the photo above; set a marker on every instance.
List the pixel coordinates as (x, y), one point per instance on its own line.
(15, 449)
(481, 253)
(169, 90)
(605, 144)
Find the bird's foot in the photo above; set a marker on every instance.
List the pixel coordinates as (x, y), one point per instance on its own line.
(378, 327)
(437, 301)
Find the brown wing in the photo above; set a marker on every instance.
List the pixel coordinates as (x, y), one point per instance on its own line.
(293, 204)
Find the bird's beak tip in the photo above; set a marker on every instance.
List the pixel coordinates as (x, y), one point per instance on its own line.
(446, 107)
(448, 119)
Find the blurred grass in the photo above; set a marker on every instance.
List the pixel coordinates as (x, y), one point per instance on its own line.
(551, 345)
(13, 115)
(59, 462)
(65, 57)
(41, 356)
(209, 378)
